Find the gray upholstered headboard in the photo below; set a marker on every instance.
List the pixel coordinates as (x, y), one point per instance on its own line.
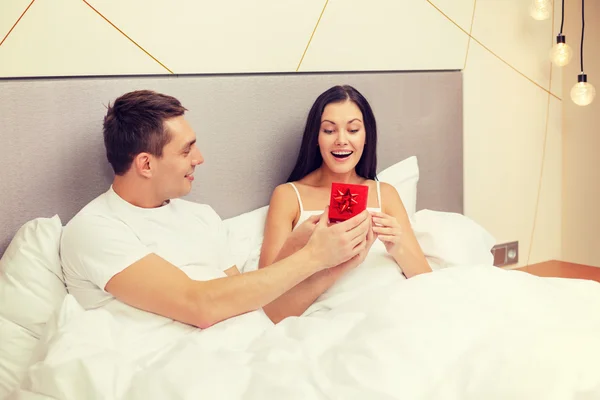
(248, 127)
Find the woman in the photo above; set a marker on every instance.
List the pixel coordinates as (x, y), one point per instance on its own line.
(339, 145)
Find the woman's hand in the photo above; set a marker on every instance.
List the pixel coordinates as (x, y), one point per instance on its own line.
(388, 230)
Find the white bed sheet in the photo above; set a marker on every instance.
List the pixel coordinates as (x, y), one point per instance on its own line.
(469, 332)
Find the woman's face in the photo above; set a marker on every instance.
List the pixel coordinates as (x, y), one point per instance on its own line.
(341, 136)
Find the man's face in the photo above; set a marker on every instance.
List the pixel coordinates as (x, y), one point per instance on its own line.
(173, 172)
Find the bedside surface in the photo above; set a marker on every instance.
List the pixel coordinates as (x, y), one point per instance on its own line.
(562, 269)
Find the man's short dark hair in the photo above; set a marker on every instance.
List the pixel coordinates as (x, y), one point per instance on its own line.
(135, 124)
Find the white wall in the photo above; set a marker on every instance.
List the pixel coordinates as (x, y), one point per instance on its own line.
(512, 97)
(581, 138)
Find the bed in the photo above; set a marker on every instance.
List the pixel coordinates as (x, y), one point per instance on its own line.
(466, 331)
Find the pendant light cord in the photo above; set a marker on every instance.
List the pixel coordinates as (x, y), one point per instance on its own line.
(582, 30)
(562, 18)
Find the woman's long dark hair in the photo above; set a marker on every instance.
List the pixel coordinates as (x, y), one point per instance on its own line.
(309, 157)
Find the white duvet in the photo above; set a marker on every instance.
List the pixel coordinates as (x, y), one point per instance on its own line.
(471, 332)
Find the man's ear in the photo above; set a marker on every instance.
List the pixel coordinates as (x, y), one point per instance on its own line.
(142, 164)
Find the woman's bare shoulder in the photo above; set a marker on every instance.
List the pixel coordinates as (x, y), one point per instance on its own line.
(390, 198)
(283, 192)
(387, 188)
(284, 203)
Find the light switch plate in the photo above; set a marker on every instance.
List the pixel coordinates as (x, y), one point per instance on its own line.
(506, 254)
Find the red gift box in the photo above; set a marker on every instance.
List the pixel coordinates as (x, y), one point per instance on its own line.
(347, 200)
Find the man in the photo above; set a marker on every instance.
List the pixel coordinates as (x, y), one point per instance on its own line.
(139, 244)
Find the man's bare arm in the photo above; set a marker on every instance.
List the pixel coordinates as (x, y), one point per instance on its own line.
(152, 284)
(298, 299)
(281, 241)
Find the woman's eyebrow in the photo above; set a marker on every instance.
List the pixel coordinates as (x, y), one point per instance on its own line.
(331, 122)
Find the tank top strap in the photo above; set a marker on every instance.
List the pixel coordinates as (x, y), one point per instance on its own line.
(298, 196)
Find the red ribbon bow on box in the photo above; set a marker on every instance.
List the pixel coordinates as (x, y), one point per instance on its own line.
(345, 200)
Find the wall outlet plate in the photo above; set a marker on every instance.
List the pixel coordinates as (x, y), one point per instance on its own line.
(506, 254)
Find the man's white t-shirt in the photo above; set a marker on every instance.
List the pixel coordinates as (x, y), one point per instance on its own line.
(110, 234)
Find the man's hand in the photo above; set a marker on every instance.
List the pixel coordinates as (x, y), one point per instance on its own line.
(360, 257)
(335, 244)
(300, 236)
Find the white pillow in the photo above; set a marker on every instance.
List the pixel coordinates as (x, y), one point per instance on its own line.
(31, 280)
(31, 290)
(245, 234)
(452, 239)
(404, 176)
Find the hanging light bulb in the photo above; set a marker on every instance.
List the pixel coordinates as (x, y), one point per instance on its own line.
(561, 52)
(583, 92)
(540, 9)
